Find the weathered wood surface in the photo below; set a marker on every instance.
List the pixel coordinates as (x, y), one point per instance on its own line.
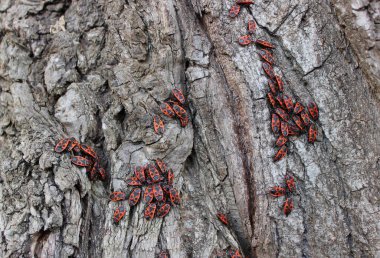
(97, 71)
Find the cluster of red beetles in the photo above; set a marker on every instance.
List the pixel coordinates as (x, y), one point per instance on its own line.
(287, 189)
(172, 107)
(159, 193)
(82, 156)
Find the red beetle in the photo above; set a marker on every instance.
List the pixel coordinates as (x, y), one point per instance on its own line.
(163, 254)
(298, 108)
(170, 177)
(174, 196)
(277, 191)
(293, 130)
(288, 102)
(312, 133)
(272, 86)
(305, 118)
(290, 183)
(154, 174)
(133, 181)
(280, 83)
(179, 96)
(102, 174)
(282, 114)
(313, 110)
(251, 26)
(264, 43)
(180, 111)
(134, 197)
(234, 11)
(280, 101)
(88, 150)
(162, 165)
(222, 218)
(81, 161)
(268, 69)
(266, 55)
(62, 145)
(167, 110)
(242, 2)
(237, 254)
(288, 206)
(245, 40)
(281, 140)
(275, 123)
(119, 214)
(166, 188)
(271, 99)
(184, 121)
(150, 210)
(281, 153)
(298, 122)
(148, 194)
(163, 210)
(158, 124)
(158, 193)
(284, 129)
(140, 174)
(117, 196)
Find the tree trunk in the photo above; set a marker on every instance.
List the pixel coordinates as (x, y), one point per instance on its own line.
(97, 71)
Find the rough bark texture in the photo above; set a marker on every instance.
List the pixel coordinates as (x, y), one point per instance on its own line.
(97, 71)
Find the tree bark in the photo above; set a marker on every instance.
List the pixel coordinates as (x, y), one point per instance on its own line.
(97, 71)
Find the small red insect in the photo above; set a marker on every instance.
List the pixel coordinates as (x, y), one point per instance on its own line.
(298, 108)
(290, 183)
(312, 133)
(134, 197)
(271, 99)
(272, 87)
(163, 254)
(237, 255)
(167, 110)
(92, 171)
(180, 111)
(280, 153)
(119, 214)
(268, 69)
(179, 96)
(264, 43)
(266, 55)
(242, 2)
(281, 141)
(140, 174)
(298, 122)
(288, 206)
(62, 145)
(252, 26)
(288, 102)
(275, 123)
(74, 144)
(280, 101)
(222, 218)
(280, 83)
(282, 114)
(234, 11)
(174, 196)
(158, 193)
(148, 194)
(163, 210)
(245, 40)
(166, 188)
(284, 128)
(133, 181)
(88, 150)
(117, 196)
(184, 121)
(102, 174)
(154, 174)
(313, 110)
(150, 210)
(80, 161)
(158, 125)
(277, 191)
(170, 177)
(293, 130)
(162, 165)
(305, 118)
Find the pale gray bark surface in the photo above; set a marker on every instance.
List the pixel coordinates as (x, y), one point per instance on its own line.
(98, 70)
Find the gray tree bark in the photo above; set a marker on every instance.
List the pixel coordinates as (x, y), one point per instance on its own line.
(97, 70)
